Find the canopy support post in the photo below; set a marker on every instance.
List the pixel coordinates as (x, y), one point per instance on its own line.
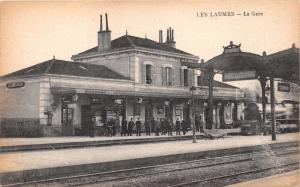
(263, 81)
(273, 121)
(210, 75)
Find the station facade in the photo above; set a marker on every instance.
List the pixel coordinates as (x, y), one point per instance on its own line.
(128, 77)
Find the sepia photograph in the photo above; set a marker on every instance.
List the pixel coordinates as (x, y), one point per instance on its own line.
(156, 93)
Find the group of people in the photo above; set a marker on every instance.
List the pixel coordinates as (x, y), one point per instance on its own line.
(161, 126)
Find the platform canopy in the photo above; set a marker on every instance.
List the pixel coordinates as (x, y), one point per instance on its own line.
(281, 65)
(284, 64)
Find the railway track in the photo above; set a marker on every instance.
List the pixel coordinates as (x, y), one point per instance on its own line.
(135, 173)
(234, 175)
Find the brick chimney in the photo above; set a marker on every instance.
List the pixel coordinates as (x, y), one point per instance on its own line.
(104, 36)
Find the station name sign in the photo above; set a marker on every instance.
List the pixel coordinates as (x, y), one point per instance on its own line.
(18, 84)
(239, 75)
(284, 87)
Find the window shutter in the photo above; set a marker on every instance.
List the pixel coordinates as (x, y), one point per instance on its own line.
(173, 76)
(181, 77)
(144, 74)
(153, 74)
(191, 77)
(163, 76)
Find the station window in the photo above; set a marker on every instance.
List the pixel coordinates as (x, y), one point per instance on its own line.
(168, 76)
(148, 74)
(199, 81)
(185, 77)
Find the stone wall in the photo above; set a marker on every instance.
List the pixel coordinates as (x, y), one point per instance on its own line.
(20, 127)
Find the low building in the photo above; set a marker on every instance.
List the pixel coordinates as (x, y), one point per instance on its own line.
(128, 77)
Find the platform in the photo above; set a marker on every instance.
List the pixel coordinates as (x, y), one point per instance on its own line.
(50, 143)
(64, 160)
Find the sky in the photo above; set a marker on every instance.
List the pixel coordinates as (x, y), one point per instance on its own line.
(33, 32)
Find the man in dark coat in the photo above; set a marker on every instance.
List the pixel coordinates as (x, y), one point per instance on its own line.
(130, 127)
(148, 127)
(163, 126)
(157, 127)
(110, 128)
(184, 126)
(138, 125)
(114, 130)
(201, 124)
(170, 127)
(124, 127)
(177, 126)
(152, 124)
(197, 124)
(92, 127)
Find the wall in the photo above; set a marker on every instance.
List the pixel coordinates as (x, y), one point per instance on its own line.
(19, 111)
(116, 62)
(20, 102)
(159, 62)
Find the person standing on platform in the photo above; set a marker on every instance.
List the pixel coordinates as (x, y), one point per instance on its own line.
(92, 127)
(152, 125)
(184, 126)
(113, 122)
(162, 126)
(156, 126)
(138, 125)
(197, 124)
(201, 124)
(177, 123)
(170, 127)
(165, 126)
(130, 127)
(148, 127)
(124, 127)
(109, 127)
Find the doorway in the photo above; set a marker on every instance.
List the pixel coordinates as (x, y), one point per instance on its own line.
(86, 120)
(67, 120)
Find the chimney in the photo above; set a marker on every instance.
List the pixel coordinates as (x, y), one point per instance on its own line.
(160, 36)
(170, 38)
(104, 36)
(100, 23)
(106, 22)
(170, 34)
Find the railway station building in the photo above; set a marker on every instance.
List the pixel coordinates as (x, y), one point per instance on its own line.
(128, 77)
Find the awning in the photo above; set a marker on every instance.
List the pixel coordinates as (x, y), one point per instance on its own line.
(282, 65)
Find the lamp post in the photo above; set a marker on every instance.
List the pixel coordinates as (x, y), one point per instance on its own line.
(270, 91)
(273, 120)
(193, 89)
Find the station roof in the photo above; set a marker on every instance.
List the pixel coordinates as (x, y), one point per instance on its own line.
(283, 64)
(62, 67)
(128, 41)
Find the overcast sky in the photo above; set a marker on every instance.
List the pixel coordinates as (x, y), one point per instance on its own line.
(33, 32)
